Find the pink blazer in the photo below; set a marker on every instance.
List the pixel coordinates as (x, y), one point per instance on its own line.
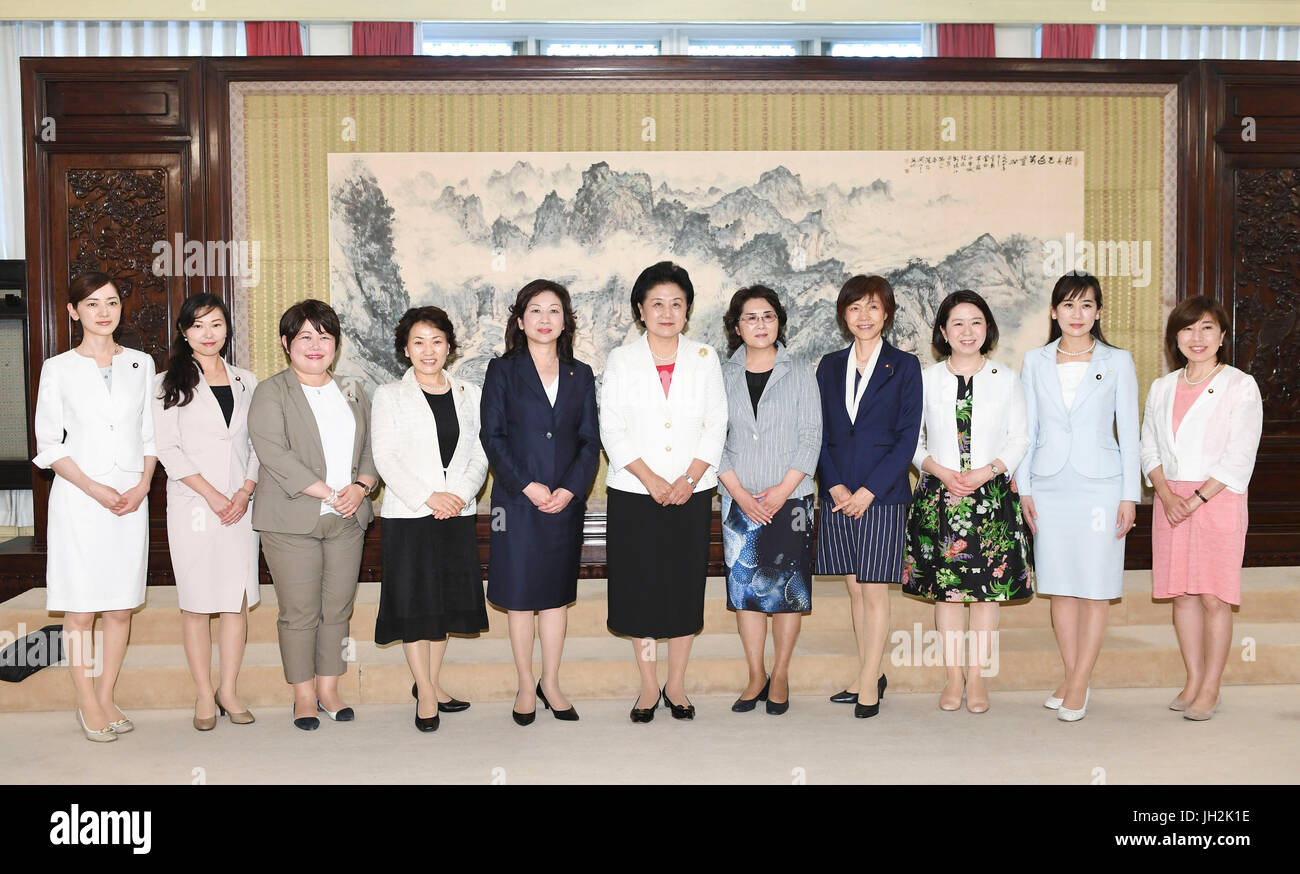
(195, 438)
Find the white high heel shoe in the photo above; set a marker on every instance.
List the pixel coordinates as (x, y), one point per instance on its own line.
(99, 736)
(1065, 714)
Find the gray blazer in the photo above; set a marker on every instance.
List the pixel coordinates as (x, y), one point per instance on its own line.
(787, 433)
(287, 443)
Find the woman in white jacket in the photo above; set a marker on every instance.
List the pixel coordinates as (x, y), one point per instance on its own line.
(425, 442)
(663, 422)
(966, 537)
(94, 428)
(1199, 436)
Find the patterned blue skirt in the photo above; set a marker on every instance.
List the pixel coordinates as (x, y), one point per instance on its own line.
(769, 567)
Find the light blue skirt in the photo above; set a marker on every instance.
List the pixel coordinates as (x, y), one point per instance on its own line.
(1076, 552)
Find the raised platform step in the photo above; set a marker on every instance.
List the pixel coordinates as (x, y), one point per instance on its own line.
(1270, 594)
(156, 676)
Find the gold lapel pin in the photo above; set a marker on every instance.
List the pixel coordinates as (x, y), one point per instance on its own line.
(704, 352)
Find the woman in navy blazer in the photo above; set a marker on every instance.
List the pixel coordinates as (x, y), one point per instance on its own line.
(543, 440)
(864, 489)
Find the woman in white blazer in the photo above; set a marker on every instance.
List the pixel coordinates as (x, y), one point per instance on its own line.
(200, 409)
(663, 422)
(1199, 436)
(425, 440)
(966, 539)
(1079, 485)
(94, 428)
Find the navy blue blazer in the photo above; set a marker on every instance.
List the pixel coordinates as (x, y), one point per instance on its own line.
(876, 451)
(527, 440)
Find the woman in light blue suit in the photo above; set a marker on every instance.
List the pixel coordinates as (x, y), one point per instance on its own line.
(1080, 480)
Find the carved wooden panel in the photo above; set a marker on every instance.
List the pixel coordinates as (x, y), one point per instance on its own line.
(1266, 277)
(114, 216)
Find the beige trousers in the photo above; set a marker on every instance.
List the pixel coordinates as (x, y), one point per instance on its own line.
(315, 577)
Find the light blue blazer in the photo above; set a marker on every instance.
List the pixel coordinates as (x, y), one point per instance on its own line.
(1085, 436)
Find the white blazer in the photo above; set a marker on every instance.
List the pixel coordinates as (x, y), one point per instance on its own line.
(637, 421)
(998, 427)
(404, 443)
(1217, 437)
(104, 427)
(1083, 436)
(196, 439)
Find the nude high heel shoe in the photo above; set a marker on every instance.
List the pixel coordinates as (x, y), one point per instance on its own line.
(99, 736)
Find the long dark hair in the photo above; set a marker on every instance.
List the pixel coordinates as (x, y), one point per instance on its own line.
(1073, 285)
(182, 370)
(517, 340)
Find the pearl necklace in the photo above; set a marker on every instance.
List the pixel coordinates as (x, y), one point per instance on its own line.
(1213, 371)
(661, 357)
(433, 390)
(1076, 354)
(948, 363)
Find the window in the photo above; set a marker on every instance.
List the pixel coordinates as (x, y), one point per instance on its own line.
(743, 48)
(595, 48)
(466, 47)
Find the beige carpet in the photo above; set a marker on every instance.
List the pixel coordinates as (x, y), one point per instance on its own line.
(1128, 737)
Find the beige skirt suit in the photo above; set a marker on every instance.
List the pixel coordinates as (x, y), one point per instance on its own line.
(215, 565)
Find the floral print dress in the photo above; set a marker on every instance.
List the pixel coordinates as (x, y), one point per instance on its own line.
(974, 548)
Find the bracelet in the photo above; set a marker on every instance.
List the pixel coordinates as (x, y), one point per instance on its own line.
(334, 496)
(1197, 492)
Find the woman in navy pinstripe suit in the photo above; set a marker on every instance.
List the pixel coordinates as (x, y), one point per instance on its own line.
(871, 416)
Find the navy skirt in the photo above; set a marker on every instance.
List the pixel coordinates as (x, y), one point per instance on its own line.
(872, 547)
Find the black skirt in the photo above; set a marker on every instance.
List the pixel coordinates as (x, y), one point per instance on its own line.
(657, 560)
(432, 584)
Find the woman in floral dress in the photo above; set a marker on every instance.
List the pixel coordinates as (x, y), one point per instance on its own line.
(966, 538)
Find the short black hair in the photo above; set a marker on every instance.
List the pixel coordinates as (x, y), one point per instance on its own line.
(435, 316)
(731, 320)
(859, 287)
(659, 274)
(320, 314)
(941, 320)
(1189, 312)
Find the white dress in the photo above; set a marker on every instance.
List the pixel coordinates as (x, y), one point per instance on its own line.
(95, 560)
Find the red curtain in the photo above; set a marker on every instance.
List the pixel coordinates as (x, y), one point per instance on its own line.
(1068, 40)
(272, 38)
(966, 41)
(383, 38)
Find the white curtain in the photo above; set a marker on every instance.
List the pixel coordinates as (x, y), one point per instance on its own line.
(20, 39)
(1194, 43)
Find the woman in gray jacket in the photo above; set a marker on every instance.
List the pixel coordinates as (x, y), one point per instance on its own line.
(774, 437)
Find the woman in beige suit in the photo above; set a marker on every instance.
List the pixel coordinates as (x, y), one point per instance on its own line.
(313, 443)
(200, 409)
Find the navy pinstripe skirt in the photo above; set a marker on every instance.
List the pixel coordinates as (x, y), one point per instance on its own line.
(871, 548)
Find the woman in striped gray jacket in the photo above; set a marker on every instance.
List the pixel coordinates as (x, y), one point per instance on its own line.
(773, 440)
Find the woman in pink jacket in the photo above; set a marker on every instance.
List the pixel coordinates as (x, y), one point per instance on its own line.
(1199, 436)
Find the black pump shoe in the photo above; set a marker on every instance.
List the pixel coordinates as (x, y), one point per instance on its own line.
(679, 711)
(452, 706)
(776, 708)
(866, 711)
(744, 705)
(425, 723)
(847, 697)
(524, 718)
(569, 715)
(644, 714)
(306, 723)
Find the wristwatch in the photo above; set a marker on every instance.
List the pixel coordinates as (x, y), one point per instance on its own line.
(689, 480)
(365, 488)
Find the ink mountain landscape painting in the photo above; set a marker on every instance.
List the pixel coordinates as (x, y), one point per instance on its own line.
(465, 231)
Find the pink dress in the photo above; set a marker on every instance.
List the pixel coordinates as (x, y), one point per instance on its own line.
(1203, 554)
